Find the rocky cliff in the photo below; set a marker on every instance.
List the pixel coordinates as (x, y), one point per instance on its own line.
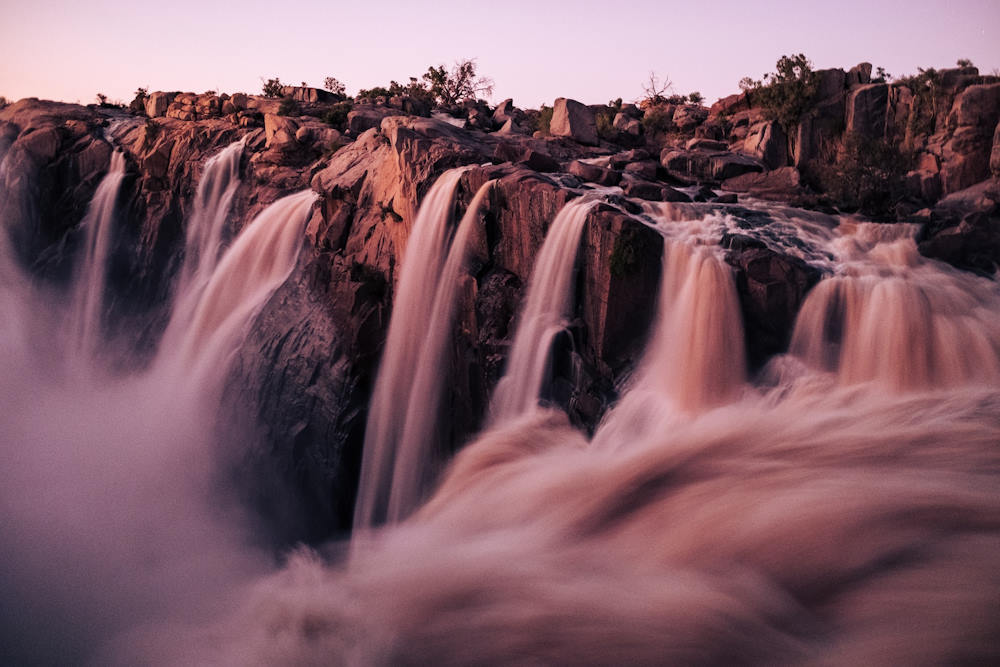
(304, 374)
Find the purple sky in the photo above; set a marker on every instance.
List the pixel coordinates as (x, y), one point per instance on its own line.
(535, 51)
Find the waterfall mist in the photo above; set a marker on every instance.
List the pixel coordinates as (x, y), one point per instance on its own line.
(120, 530)
(839, 507)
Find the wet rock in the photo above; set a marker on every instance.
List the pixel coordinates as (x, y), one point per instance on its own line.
(771, 287)
(591, 173)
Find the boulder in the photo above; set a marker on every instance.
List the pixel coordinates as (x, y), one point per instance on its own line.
(627, 125)
(859, 74)
(976, 106)
(642, 189)
(364, 117)
(830, 83)
(689, 116)
(309, 95)
(511, 127)
(591, 173)
(504, 112)
(239, 101)
(779, 184)
(157, 103)
(973, 244)
(771, 288)
(574, 120)
(280, 131)
(767, 142)
(701, 165)
(705, 144)
(643, 169)
(867, 110)
(729, 105)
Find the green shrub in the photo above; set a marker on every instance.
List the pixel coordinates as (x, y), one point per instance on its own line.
(656, 120)
(334, 85)
(272, 87)
(926, 88)
(868, 176)
(787, 93)
(543, 120)
(288, 107)
(605, 125)
(337, 115)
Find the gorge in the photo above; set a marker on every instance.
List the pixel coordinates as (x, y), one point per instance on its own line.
(405, 393)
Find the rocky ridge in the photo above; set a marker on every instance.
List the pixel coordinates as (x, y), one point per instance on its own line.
(308, 365)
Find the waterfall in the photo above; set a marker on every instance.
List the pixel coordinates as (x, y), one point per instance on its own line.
(257, 263)
(403, 407)
(695, 359)
(87, 304)
(891, 317)
(219, 182)
(547, 307)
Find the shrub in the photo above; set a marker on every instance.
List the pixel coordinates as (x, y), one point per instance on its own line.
(656, 120)
(543, 120)
(337, 115)
(868, 176)
(605, 125)
(288, 107)
(786, 93)
(461, 84)
(654, 90)
(926, 89)
(272, 87)
(696, 97)
(334, 86)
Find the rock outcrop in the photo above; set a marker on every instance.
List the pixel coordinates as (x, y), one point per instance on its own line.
(574, 120)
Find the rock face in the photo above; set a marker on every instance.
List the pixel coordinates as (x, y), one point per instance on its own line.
(303, 377)
(772, 287)
(573, 120)
(768, 143)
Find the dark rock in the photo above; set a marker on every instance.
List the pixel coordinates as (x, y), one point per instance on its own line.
(591, 173)
(642, 189)
(729, 198)
(867, 110)
(973, 244)
(768, 143)
(699, 165)
(771, 287)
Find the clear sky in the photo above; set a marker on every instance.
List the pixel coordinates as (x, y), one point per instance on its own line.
(534, 50)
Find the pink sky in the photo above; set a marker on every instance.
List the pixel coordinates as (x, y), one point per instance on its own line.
(535, 51)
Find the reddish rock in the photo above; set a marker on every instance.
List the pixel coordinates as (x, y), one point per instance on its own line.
(591, 173)
(574, 120)
(768, 143)
(867, 110)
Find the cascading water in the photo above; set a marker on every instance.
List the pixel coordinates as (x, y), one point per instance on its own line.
(547, 305)
(87, 303)
(203, 236)
(843, 511)
(892, 317)
(116, 527)
(392, 476)
(694, 360)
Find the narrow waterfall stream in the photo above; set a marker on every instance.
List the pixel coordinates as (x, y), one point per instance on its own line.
(547, 305)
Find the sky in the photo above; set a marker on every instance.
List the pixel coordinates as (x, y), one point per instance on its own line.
(535, 51)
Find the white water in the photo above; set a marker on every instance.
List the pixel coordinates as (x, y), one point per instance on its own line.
(219, 182)
(847, 513)
(547, 307)
(119, 531)
(889, 316)
(87, 302)
(413, 312)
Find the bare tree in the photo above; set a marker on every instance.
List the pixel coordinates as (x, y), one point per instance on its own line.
(655, 89)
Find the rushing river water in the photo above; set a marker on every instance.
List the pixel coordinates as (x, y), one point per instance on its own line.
(842, 506)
